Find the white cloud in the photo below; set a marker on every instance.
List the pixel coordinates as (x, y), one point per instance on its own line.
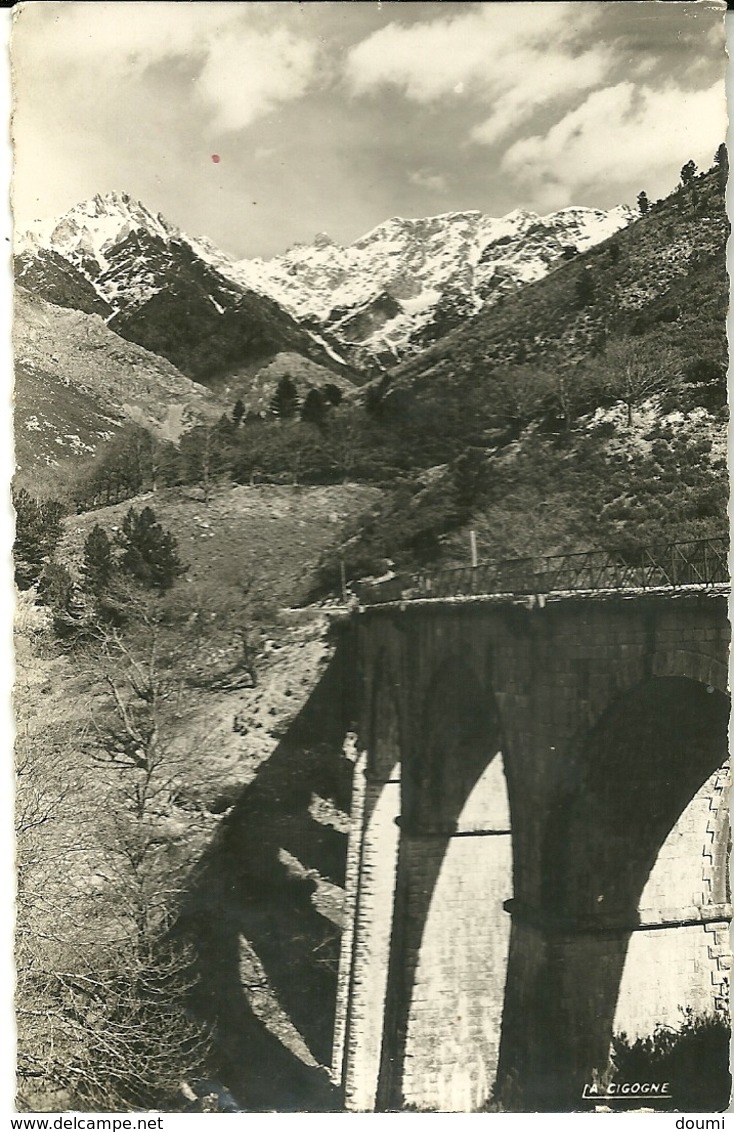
(617, 135)
(118, 37)
(247, 73)
(245, 65)
(544, 78)
(514, 57)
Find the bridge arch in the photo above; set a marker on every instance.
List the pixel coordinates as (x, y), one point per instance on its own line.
(626, 821)
(692, 666)
(678, 958)
(616, 712)
(455, 873)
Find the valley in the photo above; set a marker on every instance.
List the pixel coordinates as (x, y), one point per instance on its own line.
(213, 455)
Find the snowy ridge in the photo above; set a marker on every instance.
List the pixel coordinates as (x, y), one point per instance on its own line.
(139, 266)
(391, 292)
(384, 291)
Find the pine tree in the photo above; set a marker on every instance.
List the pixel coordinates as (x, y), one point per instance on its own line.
(284, 403)
(56, 587)
(238, 412)
(332, 393)
(721, 164)
(688, 173)
(148, 552)
(313, 410)
(98, 562)
(38, 527)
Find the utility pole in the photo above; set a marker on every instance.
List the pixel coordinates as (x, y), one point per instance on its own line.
(473, 547)
(343, 574)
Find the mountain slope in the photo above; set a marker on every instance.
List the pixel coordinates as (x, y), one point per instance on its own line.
(588, 411)
(162, 293)
(48, 274)
(77, 383)
(662, 278)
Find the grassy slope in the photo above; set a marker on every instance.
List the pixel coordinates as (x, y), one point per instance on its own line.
(277, 534)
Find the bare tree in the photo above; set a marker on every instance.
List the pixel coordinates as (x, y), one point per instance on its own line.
(101, 984)
(224, 623)
(567, 388)
(633, 372)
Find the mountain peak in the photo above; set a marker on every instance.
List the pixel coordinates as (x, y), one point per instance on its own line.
(120, 206)
(88, 231)
(115, 198)
(388, 293)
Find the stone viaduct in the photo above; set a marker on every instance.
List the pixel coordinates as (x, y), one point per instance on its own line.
(538, 855)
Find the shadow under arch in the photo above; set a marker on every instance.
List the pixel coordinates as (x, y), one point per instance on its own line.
(370, 893)
(450, 937)
(244, 893)
(625, 788)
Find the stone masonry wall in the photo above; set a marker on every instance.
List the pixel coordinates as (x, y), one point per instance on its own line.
(552, 673)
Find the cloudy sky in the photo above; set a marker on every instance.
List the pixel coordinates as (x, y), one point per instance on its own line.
(259, 124)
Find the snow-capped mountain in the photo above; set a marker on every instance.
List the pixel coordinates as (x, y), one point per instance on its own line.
(159, 289)
(91, 230)
(393, 291)
(407, 282)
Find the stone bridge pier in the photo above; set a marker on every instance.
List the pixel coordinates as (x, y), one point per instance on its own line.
(539, 843)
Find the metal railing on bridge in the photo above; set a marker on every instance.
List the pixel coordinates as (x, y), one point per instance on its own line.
(671, 565)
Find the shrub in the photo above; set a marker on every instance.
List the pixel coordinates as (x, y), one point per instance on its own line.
(694, 1059)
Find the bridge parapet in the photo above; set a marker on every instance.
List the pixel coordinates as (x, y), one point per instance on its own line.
(699, 563)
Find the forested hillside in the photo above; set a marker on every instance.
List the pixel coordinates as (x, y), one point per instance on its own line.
(588, 411)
